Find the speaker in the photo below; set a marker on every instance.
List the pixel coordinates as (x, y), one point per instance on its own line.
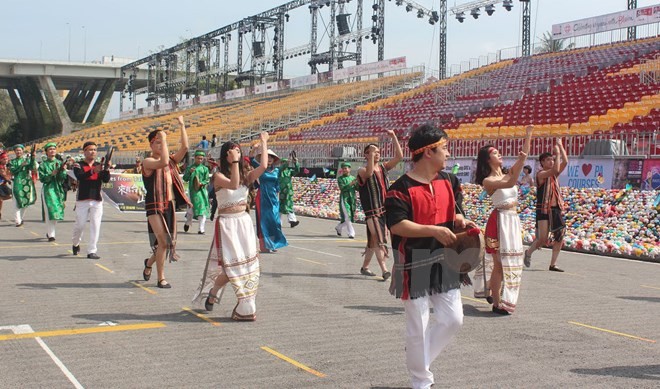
(342, 24)
(201, 66)
(258, 49)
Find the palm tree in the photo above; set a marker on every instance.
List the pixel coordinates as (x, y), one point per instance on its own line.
(551, 45)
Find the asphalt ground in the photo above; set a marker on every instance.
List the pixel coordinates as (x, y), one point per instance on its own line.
(68, 321)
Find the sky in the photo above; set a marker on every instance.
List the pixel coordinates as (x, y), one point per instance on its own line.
(57, 30)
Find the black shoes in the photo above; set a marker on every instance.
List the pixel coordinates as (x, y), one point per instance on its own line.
(186, 228)
(293, 224)
(92, 256)
(528, 259)
(19, 224)
(208, 304)
(500, 311)
(50, 238)
(200, 233)
(366, 272)
(75, 249)
(338, 232)
(144, 272)
(164, 284)
(555, 268)
(386, 275)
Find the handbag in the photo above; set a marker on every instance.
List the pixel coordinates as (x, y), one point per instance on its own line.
(5, 192)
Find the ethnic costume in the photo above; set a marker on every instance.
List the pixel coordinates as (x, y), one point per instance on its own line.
(269, 227)
(197, 177)
(234, 253)
(346, 185)
(89, 204)
(286, 190)
(547, 194)
(164, 193)
(52, 193)
(372, 196)
(503, 236)
(23, 188)
(420, 278)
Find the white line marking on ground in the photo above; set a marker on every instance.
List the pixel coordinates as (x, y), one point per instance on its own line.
(315, 251)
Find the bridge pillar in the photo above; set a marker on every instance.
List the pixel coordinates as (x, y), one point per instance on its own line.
(82, 101)
(18, 107)
(59, 116)
(102, 102)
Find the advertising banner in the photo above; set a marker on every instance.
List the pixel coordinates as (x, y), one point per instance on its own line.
(147, 110)
(208, 98)
(185, 103)
(232, 94)
(588, 173)
(297, 82)
(128, 114)
(126, 192)
(165, 106)
(651, 174)
(263, 88)
(627, 171)
(613, 21)
(466, 169)
(387, 65)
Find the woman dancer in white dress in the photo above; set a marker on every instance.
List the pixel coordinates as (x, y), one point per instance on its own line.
(504, 246)
(233, 257)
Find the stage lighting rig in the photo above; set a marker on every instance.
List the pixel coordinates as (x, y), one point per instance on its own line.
(475, 13)
(507, 4)
(460, 17)
(490, 9)
(409, 8)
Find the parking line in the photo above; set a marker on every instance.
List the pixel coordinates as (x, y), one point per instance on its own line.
(104, 268)
(315, 251)
(475, 300)
(58, 362)
(33, 233)
(650, 287)
(203, 317)
(611, 332)
(310, 261)
(144, 288)
(83, 331)
(293, 362)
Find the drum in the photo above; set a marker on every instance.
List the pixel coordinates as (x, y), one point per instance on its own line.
(467, 253)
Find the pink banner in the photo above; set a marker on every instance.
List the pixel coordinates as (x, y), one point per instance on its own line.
(651, 174)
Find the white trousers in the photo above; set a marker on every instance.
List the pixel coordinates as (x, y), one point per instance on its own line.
(189, 218)
(91, 210)
(347, 222)
(20, 212)
(425, 339)
(291, 217)
(50, 224)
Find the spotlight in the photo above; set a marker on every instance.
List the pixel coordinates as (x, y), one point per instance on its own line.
(507, 4)
(475, 13)
(460, 17)
(409, 7)
(374, 18)
(398, 2)
(490, 9)
(431, 21)
(375, 7)
(420, 13)
(435, 16)
(286, 16)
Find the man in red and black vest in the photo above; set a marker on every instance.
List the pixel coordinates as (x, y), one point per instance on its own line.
(423, 208)
(89, 203)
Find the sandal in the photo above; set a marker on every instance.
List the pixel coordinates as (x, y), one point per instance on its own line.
(144, 272)
(208, 304)
(238, 317)
(163, 284)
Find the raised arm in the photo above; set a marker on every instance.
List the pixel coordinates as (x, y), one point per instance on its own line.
(398, 153)
(183, 150)
(263, 163)
(562, 154)
(491, 184)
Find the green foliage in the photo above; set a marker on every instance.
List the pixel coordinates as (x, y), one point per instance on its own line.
(7, 113)
(551, 45)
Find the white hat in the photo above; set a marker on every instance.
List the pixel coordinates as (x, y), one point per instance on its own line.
(271, 153)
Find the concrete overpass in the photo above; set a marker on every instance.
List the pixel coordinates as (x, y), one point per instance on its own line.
(34, 88)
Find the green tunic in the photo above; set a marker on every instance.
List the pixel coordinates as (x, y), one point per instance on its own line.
(286, 187)
(24, 191)
(53, 189)
(198, 197)
(346, 197)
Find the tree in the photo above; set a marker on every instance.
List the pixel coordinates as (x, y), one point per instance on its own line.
(7, 113)
(551, 45)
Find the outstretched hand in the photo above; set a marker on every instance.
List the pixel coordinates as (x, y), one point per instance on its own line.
(180, 119)
(264, 136)
(529, 130)
(391, 133)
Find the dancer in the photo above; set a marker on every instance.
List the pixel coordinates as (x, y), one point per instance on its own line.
(197, 177)
(89, 203)
(165, 191)
(373, 184)
(269, 226)
(504, 246)
(423, 208)
(52, 174)
(347, 184)
(233, 256)
(550, 225)
(286, 188)
(22, 168)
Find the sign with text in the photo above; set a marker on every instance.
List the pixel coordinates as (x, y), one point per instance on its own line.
(297, 82)
(264, 88)
(366, 69)
(627, 171)
(185, 103)
(208, 98)
(613, 21)
(588, 173)
(232, 94)
(651, 174)
(126, 192)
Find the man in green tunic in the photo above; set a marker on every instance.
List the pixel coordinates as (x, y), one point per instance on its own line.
(25, 194)
(347, 185)
(52, 174)
(197, 177)
(286, 189)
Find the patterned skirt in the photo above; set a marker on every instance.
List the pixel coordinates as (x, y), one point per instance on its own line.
(233, 252)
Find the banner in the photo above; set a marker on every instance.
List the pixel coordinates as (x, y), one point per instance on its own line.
(263, 88)
(297, 82)
(651, 174)
(466, 169)
(126, 192)
(232, 94)
(387, 65)
(165, 106)
(185, 103)
(146, 110)
(128, 114)
(208, 98)
(613, 21)
(588, 173)
(627, 171)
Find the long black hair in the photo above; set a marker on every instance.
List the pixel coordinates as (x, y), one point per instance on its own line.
(225, 167)
(483, 168)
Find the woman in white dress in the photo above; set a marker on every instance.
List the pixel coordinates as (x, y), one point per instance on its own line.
(233, 257)
(504, 247)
